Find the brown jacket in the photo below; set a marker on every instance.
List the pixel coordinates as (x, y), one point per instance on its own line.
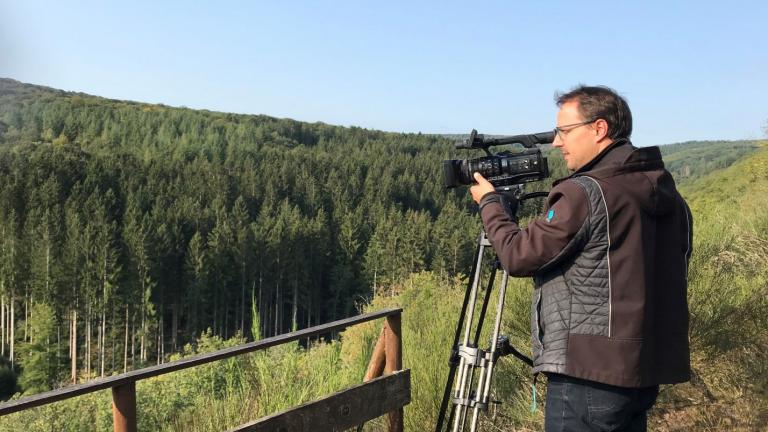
(609, 259)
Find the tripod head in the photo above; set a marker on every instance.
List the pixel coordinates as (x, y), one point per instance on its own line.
(512, 196)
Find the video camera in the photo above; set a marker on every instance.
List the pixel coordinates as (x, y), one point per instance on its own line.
(502, 168)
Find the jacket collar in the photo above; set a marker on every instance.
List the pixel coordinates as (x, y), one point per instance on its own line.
(614, 154)
(620, 156)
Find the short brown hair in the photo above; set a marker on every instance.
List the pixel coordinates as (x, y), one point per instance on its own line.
(601, 102)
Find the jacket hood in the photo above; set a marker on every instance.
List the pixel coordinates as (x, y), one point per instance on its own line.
(656, 195)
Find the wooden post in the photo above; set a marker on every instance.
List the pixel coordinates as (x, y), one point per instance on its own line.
(378, 358)
(394, 362)
(124, 407)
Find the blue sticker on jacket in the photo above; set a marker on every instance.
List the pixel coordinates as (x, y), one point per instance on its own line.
(550, 215)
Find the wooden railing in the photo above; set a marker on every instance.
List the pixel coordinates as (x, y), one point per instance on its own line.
(387, 358)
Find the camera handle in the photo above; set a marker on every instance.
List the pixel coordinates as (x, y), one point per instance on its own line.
(468, 362)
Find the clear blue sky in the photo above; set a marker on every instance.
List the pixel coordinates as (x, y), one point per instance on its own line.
(690, 70)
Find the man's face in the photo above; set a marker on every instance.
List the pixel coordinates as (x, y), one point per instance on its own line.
(577, 140)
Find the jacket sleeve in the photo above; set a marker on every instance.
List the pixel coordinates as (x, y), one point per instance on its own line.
(547, 240)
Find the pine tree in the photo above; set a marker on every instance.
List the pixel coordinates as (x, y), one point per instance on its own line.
(243, 247)
(38, 356)
(141, 283)
(10, 278)
(196, 275)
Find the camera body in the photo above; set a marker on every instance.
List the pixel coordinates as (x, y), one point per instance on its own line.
(502, 168)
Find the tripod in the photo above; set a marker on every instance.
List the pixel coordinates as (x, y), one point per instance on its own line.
(468, 363)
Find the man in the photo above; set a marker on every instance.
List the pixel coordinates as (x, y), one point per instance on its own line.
(609, 260)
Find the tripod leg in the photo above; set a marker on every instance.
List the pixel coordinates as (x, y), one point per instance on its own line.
(466, 371)
(484, 384)
(486, 299)
(478, 329)
(471, 287)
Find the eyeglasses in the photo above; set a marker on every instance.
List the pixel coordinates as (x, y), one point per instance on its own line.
(561, 132)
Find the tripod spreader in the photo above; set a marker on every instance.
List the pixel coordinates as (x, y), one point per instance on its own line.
(477, 357)
(504, 348)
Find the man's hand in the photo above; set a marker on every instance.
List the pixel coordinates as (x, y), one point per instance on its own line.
(482, 187)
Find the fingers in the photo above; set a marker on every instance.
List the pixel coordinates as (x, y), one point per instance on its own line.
(482, 187)
(481, 180)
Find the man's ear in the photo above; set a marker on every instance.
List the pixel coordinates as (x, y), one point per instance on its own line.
(601, 129)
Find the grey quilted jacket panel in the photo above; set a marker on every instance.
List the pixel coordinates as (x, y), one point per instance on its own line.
(572, 293)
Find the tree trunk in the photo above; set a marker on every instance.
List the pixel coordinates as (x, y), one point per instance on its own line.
(133, 340)
(142, 346)
(242, 299)
(157, 339)
(277, 307)
(113, 338)
(88, 343)
(103, 329)
(278, 313)
(2, 322)
(26, 315)
(2, 310)
(58, 348)
(160, 338)
(48, 268)
(73, 347)
(295, 314)
(262, 313)
(253, 310)
(455, 258)
(277, 301)
(161, 329)
(103, 346)
(99, 363)
(175, 325)
(225, 321)
(309, 313)
(215, 310)
(194, 316)
(69, 341)
(12, 329)
(125, 346)
(31, 312)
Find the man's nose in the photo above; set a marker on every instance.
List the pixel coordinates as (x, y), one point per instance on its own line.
(557, 142)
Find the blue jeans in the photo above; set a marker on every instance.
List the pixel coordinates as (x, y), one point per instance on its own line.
(579, 405)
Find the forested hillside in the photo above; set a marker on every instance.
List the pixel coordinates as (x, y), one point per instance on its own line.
(728, 298)
(693, 159)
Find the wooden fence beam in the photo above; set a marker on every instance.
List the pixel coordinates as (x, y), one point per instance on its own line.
(342, 410)
(185, 363)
